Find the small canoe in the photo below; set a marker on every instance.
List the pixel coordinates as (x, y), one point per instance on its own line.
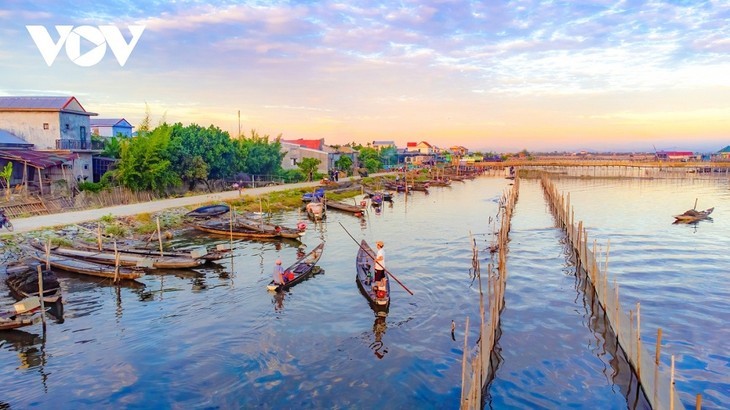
(379, 299)
(237, 231)
(316, 211)
(208, 211)
(344, 207)
(261, 226)
(85, 267)
(300, 270)
(693, 215)
(200, 252)
(22, 280)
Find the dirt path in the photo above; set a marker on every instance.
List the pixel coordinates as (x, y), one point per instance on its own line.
(35, 223)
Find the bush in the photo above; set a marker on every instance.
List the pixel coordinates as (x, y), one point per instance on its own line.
(291, 175)
(94, 187)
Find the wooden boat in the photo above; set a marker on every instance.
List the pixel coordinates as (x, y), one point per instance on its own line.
(125, 259)
(208, 211)
(315, 211)
(301, 269)
(26, 312)
(22, 280)
(85, 267)
(341, 206)
(315, 196)
(439, 182)
(261, 226)
(200, 252)
(365, 270)
(693, 215)
(237, 231)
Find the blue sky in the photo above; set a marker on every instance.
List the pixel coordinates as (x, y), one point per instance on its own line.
(492, 75)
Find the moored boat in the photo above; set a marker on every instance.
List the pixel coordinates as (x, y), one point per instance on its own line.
(85, 267)
(379, 299)
(299, 270)
(344, 207)
(264, 227)
(22, 280)
(237, 231)
(315, 211)
(209, 211)
(25, 313)
(125, 259)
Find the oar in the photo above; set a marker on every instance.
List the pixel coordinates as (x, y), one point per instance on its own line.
(386, 270)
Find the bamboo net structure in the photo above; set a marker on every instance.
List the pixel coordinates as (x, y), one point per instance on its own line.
(656, 380)
(477, 371)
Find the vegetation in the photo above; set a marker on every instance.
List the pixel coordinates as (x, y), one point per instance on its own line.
(308, 166)
(145, 162)
(5, 175)
(344, 163)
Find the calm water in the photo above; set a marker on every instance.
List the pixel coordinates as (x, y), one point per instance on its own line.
(215, 337)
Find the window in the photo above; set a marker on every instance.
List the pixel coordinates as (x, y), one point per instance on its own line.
(68, 127)
(45, 125)
(293, 161)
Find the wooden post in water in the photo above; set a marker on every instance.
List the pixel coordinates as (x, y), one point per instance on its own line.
(698, 402)
(671, 386)
(116, 262)
(48, 254)
(464, 359)
(98, 234)
(658, 346)
(638, 340)
(159, 235)
(40, 295)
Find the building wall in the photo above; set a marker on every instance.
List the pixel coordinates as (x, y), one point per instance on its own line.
(295, 154)
(126, 131)
(30, 127)
(71, 127)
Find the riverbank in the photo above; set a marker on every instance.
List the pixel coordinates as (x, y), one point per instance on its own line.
(40, 222)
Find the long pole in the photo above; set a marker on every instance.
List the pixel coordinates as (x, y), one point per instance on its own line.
(386, 270)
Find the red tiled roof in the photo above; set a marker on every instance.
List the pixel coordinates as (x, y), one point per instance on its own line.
(311, 144)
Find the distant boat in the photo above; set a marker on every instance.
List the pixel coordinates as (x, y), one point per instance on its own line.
(300, 269)
(208, 211)
(693, 215)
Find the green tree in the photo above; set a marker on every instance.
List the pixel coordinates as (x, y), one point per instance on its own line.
(344, 163)
(370, 159)
(5, 176)
(388, 155)
(260, 157)
(145, 163)
(209, 151)
(112, 148)
(308, 166)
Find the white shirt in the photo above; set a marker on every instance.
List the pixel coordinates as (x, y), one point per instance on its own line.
(380, 260)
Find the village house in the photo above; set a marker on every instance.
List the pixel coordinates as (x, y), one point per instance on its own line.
(724, 154)
(57, 129)
(111, 127)
(297, 150)
(378, 145)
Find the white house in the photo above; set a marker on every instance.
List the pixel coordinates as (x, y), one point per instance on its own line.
(111, 127)
(52, 123)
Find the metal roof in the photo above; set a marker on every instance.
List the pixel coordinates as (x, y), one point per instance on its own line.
(37, 159)
(41, 103)
(8, 138)
(109, 122)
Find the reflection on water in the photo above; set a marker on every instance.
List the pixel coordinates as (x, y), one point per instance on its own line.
(215, 337)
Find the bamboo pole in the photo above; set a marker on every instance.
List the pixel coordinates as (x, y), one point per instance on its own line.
(116, 262)
(658, 345)
(40, 294)
(159, 235)
(48, 254)
(698, 402)
(98, 234)
(638, 340)
(464, 361)
(671, 386)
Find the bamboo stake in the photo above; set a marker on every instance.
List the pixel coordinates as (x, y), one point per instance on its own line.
(98, 234)
(658, 345)
(698, 402)
(671, 386)
(48, 254)
(159, 235)
(40, 294)
(638, 340)
(116, 262)
(464, 360)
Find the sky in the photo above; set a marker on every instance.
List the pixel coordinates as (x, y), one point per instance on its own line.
(498, 76)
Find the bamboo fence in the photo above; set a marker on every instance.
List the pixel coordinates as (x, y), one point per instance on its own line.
(655, 379)
(477, 371)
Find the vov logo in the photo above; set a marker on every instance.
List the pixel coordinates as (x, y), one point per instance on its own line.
(100, 37)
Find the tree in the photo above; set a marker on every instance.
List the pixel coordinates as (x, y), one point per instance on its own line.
(112, 148)
(216, 153)
(370, 159)
(145, 163)
(260, 157)
(5, 176)
(344, 163)
(308, 166)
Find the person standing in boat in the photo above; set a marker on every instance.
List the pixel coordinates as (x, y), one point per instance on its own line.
(278, 273)
(380, 266)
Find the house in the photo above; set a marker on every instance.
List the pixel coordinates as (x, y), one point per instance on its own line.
(425, 148)
(31, 168)
(724, 154)
(458, 150)
(378, 145)
(52, 123)
(335, 153)
(297, 150)
(111, 127)
(411, 147)
(675, 155)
